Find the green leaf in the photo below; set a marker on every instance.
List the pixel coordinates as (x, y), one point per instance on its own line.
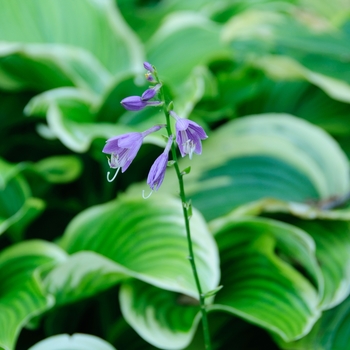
(333, 254)
(70, 116)
(73, 342)
(331, 332)
(184, 32)
(22, 295)
(65, 96)
(319, 57)
(84, 274)
(186, 171)
(17, 207)
(260, 264)
(272, 155)
(59, 169)
(301, 210)
(41, 67)
(162, 318)
(147, 237)
(213, 292)
(330, 232)
(63, 47)
(281, 67)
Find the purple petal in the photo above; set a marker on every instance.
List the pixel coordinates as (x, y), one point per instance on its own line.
(111, 147)
(180, 141)
(148, 66)
(148, 94)
(131, 157)
(197, 142)
(157, 172)
(197, 129)
(129, 140)
(182, 124)
(133, 103)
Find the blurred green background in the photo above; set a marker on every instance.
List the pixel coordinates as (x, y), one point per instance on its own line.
(269, 81)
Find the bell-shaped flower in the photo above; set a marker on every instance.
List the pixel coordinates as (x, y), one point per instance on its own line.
(188, 135)
(157, 172)
(123, 149)
(136, 103)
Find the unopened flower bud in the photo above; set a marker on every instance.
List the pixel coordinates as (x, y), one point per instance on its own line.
(148, 66)
(136, 103)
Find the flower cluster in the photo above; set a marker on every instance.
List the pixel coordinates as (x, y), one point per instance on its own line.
(123, 148)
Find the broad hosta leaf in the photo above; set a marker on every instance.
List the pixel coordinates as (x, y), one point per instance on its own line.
(260, 263)
(17, 207)
(331, 332)
(71, 120)
(148, 238)
(165, 319)
(64, 96)
(319, 57)
(77, 52)
(22, 295)
(305, 101)
(300, 210)
(84, 274)
(330, 231)
(171, 41)
(71, 116)
(332, 240)
(73, 342)
(281, 67)
(48, 67)
(59, 169)
(272, 155)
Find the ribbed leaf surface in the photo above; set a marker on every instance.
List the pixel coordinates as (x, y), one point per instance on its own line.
(332, 240)
(260, 264)
(84, 274)
(273, 155)
(22, 295)
(60, 45)
(165, 319)
(147, 237)
(331, 332)
(17, 207)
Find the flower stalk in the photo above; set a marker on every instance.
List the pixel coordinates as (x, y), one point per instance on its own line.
(187, 213)
(123, 150)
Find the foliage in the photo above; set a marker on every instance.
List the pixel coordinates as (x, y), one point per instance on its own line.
(79, 255)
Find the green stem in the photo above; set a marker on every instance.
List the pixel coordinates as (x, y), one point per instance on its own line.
(185, 207)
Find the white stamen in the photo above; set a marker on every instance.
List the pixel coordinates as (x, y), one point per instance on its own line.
(115, 175)
(143, 194)
(189, 148)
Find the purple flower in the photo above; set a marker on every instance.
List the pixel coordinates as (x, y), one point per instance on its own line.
(188, 135)
(157, 172)
(148, 67)
(136, 103)
(123, 149)
(150, 93)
